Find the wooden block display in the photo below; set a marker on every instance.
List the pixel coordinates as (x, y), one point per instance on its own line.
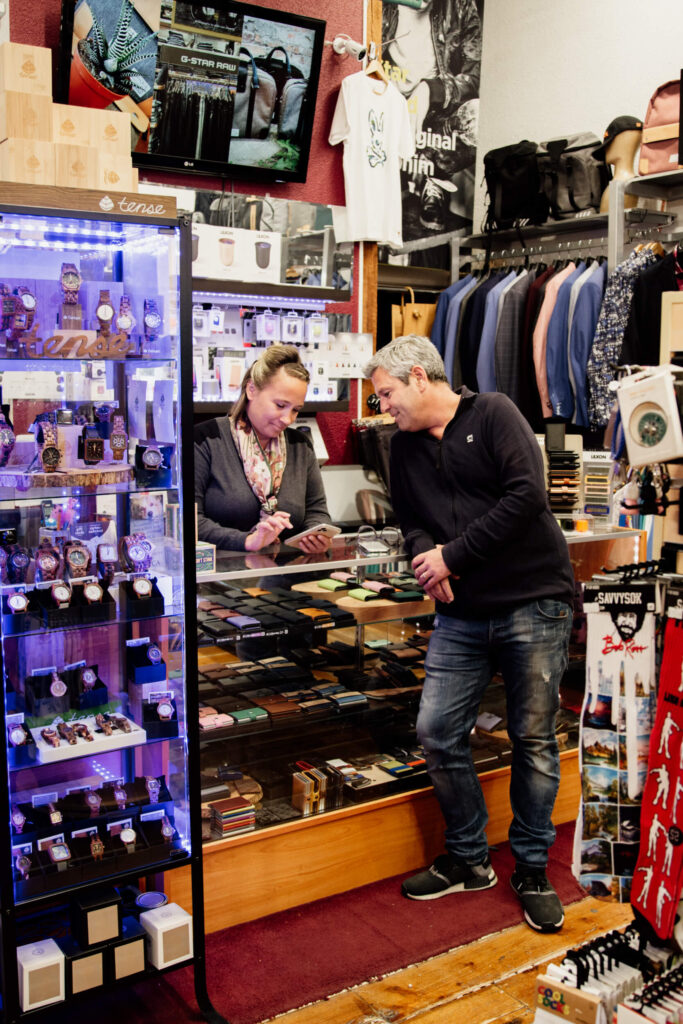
(23, 116)
(26, 68)
(110, 131)
(71, 125)
(114, 172)
(75, 166)
(21, 480)
(28, 161)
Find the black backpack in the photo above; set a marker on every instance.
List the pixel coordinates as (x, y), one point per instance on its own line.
(571, 178)
(512, 181)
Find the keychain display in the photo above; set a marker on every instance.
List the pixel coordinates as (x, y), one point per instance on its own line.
(616, 723)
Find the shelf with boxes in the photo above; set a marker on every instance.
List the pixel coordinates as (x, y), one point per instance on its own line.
(230, 329)
(97, 717)
(47, 143)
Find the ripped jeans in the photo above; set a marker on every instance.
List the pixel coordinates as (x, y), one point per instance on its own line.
(528, 645)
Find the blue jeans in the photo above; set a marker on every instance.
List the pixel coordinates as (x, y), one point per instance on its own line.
(529, 647)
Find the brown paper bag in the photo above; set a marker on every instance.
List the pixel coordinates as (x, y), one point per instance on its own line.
(412, 317)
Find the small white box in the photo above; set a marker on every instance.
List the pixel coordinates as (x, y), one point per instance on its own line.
(41, 974)
(169, 935)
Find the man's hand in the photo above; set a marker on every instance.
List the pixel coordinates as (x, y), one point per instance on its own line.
(440, 592)
(432, 574)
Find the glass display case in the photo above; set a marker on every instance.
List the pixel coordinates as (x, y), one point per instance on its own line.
(310, 677)
(94, 590)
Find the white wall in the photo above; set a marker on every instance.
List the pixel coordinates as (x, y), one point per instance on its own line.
(551, 67)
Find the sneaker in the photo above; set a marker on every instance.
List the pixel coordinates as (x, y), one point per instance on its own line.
(433, 206)
(542, 908)
(448, 875)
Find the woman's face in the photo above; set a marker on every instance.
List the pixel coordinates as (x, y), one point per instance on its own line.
(276, 405)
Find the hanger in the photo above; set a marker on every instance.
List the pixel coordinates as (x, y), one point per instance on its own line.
(375, 67)
(656, 247)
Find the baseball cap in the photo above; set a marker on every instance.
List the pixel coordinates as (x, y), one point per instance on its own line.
(624, 123)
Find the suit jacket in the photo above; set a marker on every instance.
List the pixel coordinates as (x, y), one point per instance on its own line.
(508, 351)
(641, 337)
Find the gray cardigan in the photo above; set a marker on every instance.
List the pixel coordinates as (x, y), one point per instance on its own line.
(228, 509)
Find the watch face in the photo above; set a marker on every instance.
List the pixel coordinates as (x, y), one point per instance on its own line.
(6, 436)
(152, 320)
(23, 863)
(105, 311)
(88, 676)
(17, 602)
(17, 736)
(47, 562)
(61, 594)
(154, 654)
(94, 448)
(19, 560)
(93, 592)
(28, 301)
(59, 852)
(58, 687)
(167, 830)
(71, 281)
(51, 456)
(152, 458)
(116, 440)
(93, 799)
(124, 321)
(137, 553)
(77, 557)
(107, 553)
(127, 835)
(165, 709)
(142, 587)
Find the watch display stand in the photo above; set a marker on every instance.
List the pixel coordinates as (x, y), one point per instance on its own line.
(157, 727)
(135, 607)
(140, 669)
(96, 799)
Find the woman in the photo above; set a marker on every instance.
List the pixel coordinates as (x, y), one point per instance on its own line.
(255, 478)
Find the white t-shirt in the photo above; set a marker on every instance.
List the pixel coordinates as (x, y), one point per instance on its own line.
(371, 119)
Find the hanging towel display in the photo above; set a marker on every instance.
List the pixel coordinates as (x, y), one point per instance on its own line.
(616, 723)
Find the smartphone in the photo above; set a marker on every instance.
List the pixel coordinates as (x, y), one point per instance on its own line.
(320, 529)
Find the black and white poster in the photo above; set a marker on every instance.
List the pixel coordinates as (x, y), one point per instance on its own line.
(431, 49)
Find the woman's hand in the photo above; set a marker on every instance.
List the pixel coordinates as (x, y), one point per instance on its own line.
(314, 544)
(267, 530)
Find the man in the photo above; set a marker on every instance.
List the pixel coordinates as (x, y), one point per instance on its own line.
(468, 488)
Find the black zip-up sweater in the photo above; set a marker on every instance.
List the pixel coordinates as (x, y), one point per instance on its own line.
(480, 491)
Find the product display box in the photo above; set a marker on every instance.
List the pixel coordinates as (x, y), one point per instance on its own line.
(41, 974)
(25, 116)
(125, 957)
(83, 968)
(28, 161)
(206, 556)
(169, 935)
(96, 916)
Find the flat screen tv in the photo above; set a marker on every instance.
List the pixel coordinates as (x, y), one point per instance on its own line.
(227, 90)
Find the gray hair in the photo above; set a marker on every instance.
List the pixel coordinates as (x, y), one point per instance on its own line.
(402, 354)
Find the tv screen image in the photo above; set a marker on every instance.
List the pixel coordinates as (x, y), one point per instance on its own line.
(227, 90)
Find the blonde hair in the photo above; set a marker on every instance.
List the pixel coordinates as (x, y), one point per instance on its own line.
(262, 371)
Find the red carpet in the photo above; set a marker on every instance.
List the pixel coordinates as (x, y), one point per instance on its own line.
(265, 967)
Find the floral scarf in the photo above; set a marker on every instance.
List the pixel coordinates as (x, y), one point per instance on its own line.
(263, 467)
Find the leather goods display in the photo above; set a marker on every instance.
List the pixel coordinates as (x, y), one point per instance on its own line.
(412, 317)
(659, 148)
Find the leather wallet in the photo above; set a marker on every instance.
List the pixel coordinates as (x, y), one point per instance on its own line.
(360, 594)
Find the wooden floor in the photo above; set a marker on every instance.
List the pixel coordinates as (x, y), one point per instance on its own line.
(488, 982)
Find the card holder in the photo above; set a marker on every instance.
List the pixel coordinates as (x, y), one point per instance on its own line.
(333, 585)
(361, 594)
